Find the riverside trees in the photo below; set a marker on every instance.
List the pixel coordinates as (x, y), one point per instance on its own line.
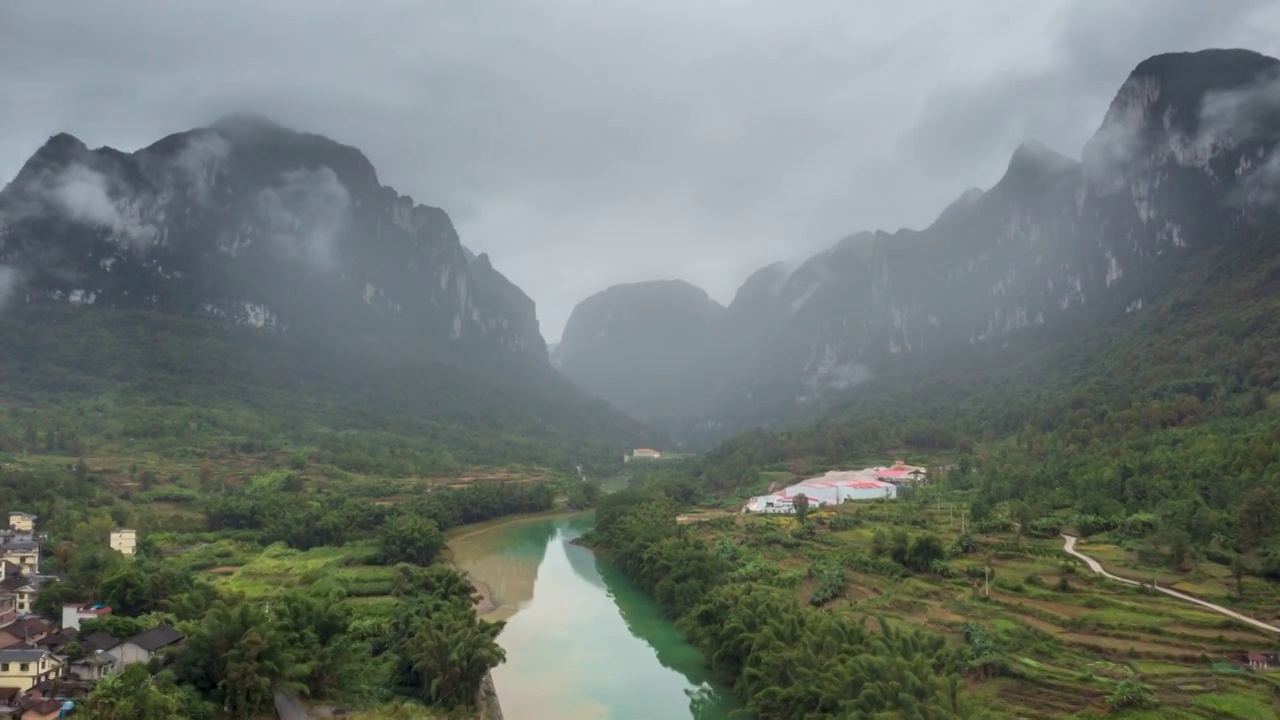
(782, 659)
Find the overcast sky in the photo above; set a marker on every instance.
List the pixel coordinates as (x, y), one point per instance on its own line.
(584, 143)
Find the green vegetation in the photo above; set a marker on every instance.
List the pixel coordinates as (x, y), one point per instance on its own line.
(1153, 436)
(279, 580)
(1025, 631)
(783, 659)
(86, 382)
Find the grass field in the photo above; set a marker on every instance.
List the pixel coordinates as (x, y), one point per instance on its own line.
(1071, 637)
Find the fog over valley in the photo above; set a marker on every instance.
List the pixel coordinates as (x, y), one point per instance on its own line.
(670, 360)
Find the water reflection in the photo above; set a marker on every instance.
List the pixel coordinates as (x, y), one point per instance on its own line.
(581, 640)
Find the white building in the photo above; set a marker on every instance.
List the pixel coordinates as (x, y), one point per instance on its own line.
(124, 540)
(145, 645)
(642, 454)
(22, 522)
(832, 488)
(74, 613)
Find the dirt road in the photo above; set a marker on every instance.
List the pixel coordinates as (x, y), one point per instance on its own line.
(1069, 545)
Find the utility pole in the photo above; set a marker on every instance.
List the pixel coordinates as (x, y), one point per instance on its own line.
(986, 577)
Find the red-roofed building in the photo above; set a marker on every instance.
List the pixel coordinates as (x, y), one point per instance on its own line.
(642, 454)
(74, 614)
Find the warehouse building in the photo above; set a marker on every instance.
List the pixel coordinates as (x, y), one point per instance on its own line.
(832, 488)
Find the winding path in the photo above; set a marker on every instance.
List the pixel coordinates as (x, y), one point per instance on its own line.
(1069, 545)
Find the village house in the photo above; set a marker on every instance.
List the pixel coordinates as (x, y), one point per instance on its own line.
(145, 645)
(24, 668)
(642, 454)
(9, 702)
(99, 640)
(25, 632)
(24, 589)
(21, 550)
(901, 473)
(8, 608)
(46, 709)
(95, 666)
(22, 522)
(124, 541)
(74, 613)
(1258, 660)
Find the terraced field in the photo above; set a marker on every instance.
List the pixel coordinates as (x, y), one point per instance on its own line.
(1071, 639)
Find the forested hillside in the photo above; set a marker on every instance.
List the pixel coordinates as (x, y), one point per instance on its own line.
(1173, 412)
(92, 381)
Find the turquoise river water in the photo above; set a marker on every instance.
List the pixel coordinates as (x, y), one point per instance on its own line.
(582, 642)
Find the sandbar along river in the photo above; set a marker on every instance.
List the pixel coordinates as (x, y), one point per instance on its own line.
(582, 642)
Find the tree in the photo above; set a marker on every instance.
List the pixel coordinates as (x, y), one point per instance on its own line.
(411, 539)
(1238, 570)
(315, 628)
(1255, 516)
(235, 657)
(447, 654)
(53, 596)
(132, 695)
(117, 626)
(801, 504)
(924, 551)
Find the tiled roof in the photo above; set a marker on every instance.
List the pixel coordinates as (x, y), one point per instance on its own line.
(156, 638)
(27, 627)
(22, 654)
(100, 641)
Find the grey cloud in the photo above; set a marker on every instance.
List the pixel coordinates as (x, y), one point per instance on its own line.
(306, 215)
(9, 279)
(1060, 95)
(1231, 114)
(587, 144)
(198, 162)
(85, 195)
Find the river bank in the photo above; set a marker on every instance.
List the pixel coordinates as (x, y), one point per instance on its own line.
(582, 642)
(489, 705)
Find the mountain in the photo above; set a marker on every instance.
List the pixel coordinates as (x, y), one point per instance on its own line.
(259, 224)
(1184, 160)
(626, 341)
(248, 224)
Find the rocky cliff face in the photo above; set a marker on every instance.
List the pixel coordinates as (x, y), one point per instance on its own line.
(261, 225)
(1186, 154)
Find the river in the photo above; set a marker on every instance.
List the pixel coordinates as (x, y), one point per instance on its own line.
(582, 642)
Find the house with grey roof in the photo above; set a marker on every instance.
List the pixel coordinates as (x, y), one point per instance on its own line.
(23, 668)
(145, 645)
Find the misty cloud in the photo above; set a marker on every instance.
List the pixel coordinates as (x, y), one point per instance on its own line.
(8, 284)
(84, 195)
(1228, 116)
(1232, 114)
(587, 144)
(198, 163)
(306, 215)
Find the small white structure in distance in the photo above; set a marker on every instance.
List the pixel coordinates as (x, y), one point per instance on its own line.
(124, 541)
(642, 454)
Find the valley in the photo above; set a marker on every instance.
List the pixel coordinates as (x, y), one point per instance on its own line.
(273, 440)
